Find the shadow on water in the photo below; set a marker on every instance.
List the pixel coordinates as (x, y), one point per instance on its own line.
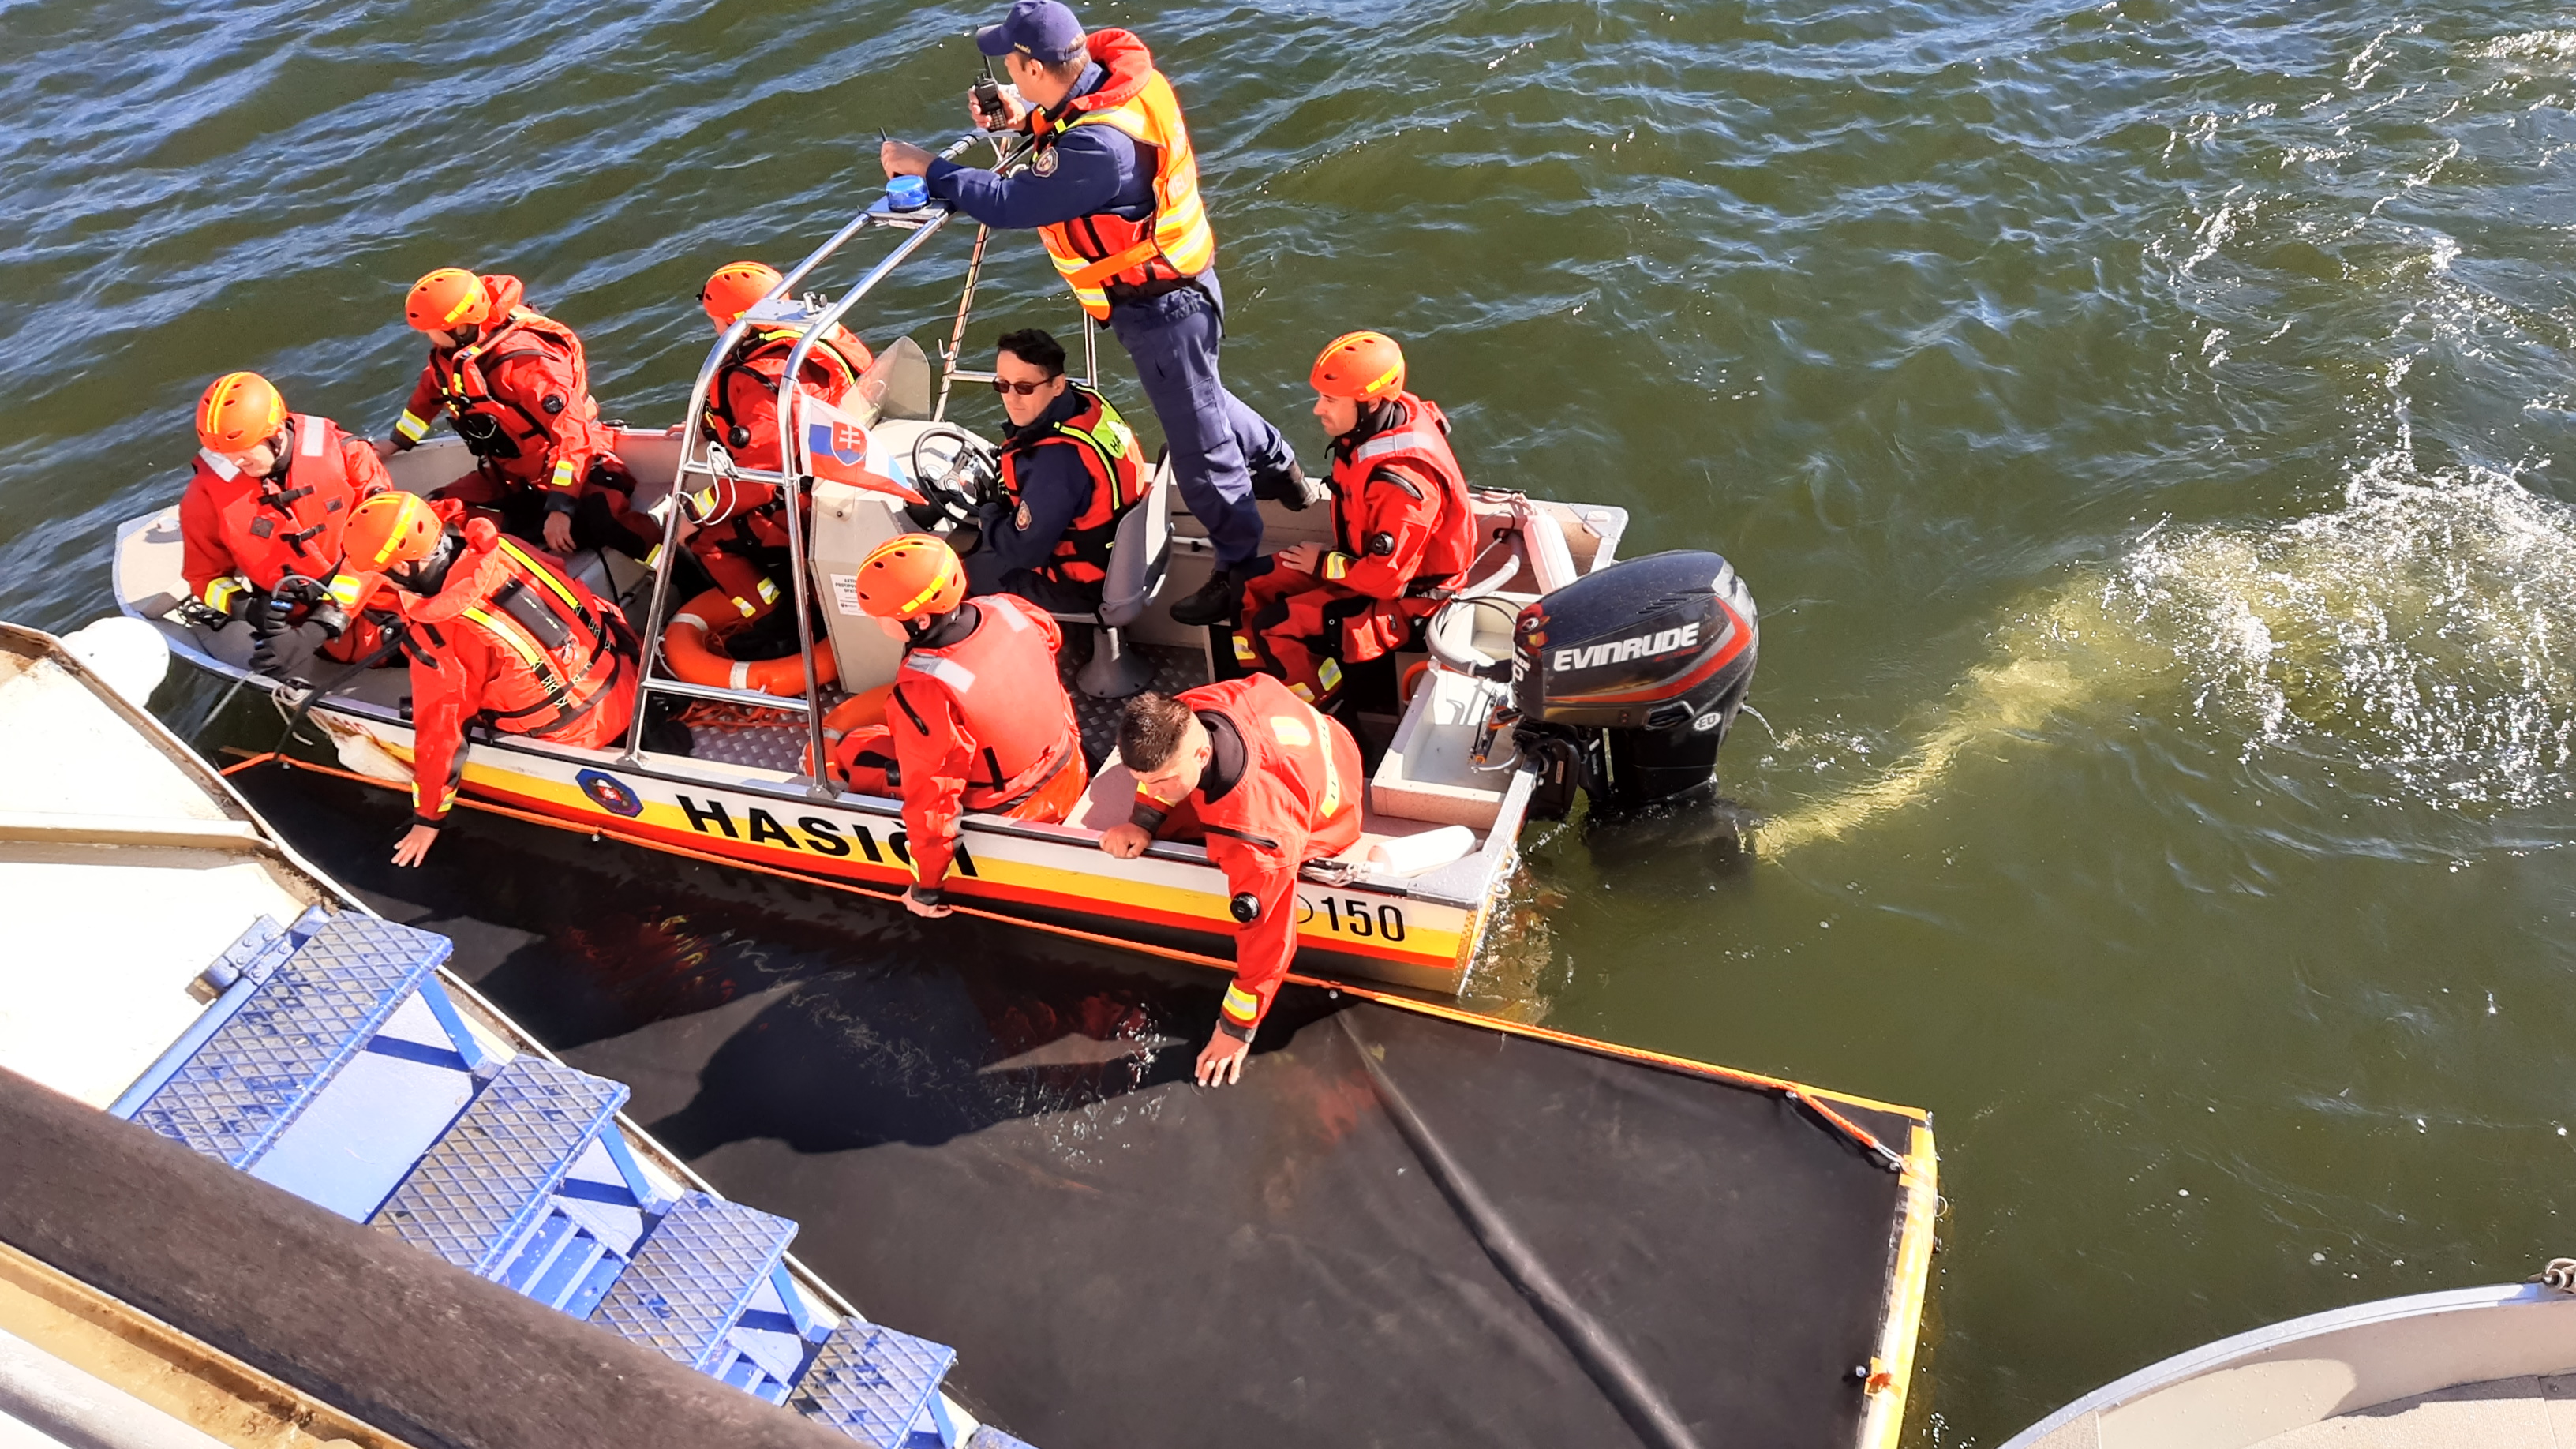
(797, 1013)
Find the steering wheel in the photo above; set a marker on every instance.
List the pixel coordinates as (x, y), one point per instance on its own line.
(954, 484)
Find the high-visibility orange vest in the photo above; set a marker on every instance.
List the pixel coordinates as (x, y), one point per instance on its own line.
(999, 676)
(1094, 251)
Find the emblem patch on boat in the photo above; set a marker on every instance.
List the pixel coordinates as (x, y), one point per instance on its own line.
(609, 793)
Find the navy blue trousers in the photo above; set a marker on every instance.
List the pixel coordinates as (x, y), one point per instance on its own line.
(1218, 442)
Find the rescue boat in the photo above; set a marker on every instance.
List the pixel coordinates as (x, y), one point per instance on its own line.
(1555, 668)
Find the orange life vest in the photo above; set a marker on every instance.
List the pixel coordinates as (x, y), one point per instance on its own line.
(831, 369)
(1109, 453)
(1175, 241)
(1019, 743)
(563, 647)
(273, 529)
(497, 427)
(1422, 447)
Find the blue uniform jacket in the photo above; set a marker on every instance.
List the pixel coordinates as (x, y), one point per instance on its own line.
(1096, 169)
(1054, 488)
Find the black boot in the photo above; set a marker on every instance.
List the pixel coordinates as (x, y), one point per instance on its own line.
(1216, 602)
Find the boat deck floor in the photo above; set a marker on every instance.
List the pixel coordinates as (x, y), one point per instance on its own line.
(992, 1139)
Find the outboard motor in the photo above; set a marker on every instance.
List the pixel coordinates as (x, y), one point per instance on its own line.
(1626, 680)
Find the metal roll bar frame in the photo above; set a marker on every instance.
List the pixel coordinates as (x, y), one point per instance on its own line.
(696, 460)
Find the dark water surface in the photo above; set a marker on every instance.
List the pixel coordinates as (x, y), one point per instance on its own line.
(2137, 420)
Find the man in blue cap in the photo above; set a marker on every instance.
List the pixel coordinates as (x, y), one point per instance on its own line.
(1112, 188)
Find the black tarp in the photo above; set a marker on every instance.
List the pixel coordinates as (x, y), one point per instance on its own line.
(989, 1138)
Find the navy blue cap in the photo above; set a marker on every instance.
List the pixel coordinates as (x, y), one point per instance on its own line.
(1038, 29)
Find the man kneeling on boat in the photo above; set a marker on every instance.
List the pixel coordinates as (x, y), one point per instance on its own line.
(260, 530)
(1403, 530)
(739, 531)
(976, 719)
(516, 386)
(496, 632)
(1070, 472)
(1271, 783)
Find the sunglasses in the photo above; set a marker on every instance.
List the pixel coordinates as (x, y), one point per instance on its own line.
(1024, 389)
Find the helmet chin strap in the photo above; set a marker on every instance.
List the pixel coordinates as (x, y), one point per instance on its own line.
(429, 575)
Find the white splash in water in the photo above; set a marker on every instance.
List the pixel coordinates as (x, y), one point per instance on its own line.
(2415, 634)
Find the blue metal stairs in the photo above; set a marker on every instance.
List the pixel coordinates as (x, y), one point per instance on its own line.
(333, 1064)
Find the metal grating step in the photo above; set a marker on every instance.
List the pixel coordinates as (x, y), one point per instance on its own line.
(250, 1079)
(870, 1382)
(485, 1183)
(693, 1277)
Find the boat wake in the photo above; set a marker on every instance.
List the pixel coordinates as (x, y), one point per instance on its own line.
(2416, 636)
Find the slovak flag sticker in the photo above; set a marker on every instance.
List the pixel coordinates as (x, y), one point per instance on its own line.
(836, 448)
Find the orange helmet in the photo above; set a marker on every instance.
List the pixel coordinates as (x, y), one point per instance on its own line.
(734, 287)
(910, 576)
(388, 530)
(446, 299)
(239, 412)
(1361, 366)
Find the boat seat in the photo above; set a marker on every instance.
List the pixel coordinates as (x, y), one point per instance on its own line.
(486, 1185)
(871, 1382)
(1139, 559)
(284, 1028)
(693, 1278)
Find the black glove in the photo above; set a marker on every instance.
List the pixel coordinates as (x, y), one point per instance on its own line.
(288, 653)
(329, 617)
(269, 613)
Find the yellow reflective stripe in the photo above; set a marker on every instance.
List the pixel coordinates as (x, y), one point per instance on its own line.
(1302, 692)
(1337, 565)
(508, 633)
(744, 606)
(343, 588)
(411, 426)
(1330, 672)
(703, 502)
(1244, 653)
(1332, 772)
(563, 473)
(938, 581)
(768, 592)
(653, 559)
(1241, 1006)
(544, 576)
(221, 591)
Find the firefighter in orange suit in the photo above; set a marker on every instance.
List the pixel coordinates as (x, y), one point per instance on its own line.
(260, 525)
(977, 718)
(1403, 531)
(516, 387)
(496, 632)
(736, 528)
(1272, 783)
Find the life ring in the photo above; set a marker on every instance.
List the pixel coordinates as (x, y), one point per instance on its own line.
(689, 646)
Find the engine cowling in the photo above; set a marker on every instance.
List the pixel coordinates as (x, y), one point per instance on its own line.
(1627, 680)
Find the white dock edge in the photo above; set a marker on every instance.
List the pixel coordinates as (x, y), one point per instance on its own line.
(65, 1406)
(2241, 1391)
